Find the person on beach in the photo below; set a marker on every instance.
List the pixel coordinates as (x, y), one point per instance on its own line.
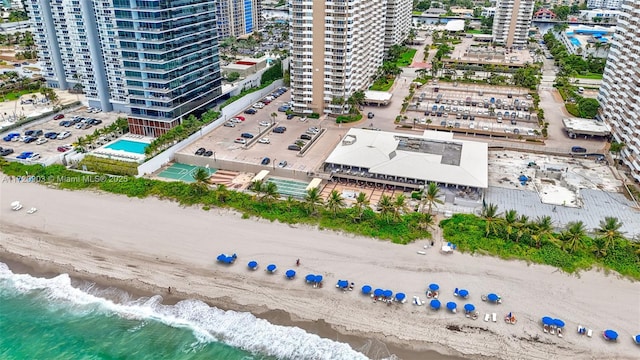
(169, 289)
(298, 262)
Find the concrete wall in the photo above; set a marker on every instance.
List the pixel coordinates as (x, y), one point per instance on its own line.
(227, 112)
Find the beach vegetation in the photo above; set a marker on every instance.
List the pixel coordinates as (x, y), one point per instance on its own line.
(188, 127)
(571, 248)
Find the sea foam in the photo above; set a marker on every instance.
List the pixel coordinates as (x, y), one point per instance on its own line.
(208, 324)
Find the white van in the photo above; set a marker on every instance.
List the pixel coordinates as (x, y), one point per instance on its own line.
(580, 90)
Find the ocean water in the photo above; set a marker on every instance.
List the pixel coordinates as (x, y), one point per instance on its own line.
(50, 319)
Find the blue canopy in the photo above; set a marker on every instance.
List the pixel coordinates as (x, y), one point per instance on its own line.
(317, 279)
(523, 178)
(469, 307)
(387, 293)
(610, 334)
(366, 289)
(559, 323)
(493, 297)
(252, 264)
(271, 267)
(400, 296)
(378, 292)
(290, 273)
(451, 305)
(464, 293)
(637, 338)
(547, 320)
(222, 257)
(343, 284)
(434, 287)
(435, 303)
(310, 278)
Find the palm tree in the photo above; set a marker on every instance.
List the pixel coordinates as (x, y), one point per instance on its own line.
(201, 176)
(335, 202)
(573, 236)
(222, 193)
(257, 187)
(431, 196)
(609, 231)
(355, 100)
(426, 221)
(400, 206)
(270, 192)
(522, 226)
(360, 204)
(615, 148)
(385, 205)
(313, 200)
(510, 220)
(542, 230)
(491, 218)
(274, 116)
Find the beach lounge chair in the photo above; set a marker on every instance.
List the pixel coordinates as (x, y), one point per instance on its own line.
(552, 330)
(494, 317)
(32, 210)
(475, 315)
(545, 328)
(589, 333)
(486, 317)
(559, 332)
(582, 330)
(422, 253)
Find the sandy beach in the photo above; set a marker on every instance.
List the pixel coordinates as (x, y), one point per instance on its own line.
(151, 244)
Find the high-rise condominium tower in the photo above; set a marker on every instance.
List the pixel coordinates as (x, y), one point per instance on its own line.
(154, 59)
(620, 90)
(398, 22)
(336, 48)
(236, 18)
(512, 21)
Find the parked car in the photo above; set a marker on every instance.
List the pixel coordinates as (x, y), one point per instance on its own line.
(250, 111)
(290, 116)
(24, 154)
(51, 135)
(294, 147)
(64, 135)
(241, 118)
(247, 135)
(35, 133)
(258, 105)
(238, 119)
(64, 148)
(230, 124)
(65, 123)
(33, 157)
(264, 123)
(58, 117)
(370, 115)
(208, 153)
(578, 149)
(200, 151)
(95, 122)
(30, 139)
(279, 129)
(10, 136)
(284, 108)
(41, 141)
(282, 164)
(264, 141)
(265, 161)
(240, 141)
(6, 151)
(305, 137)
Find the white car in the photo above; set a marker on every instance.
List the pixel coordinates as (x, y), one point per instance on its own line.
(63, 135)
(240, 141)
(258, 105)
(41, 141)
(34, 157)
(230, 124)
(264, 123)
(264, 141)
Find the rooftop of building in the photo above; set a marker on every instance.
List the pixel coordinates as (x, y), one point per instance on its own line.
(582, 126)
(454, 25)
(432, 156)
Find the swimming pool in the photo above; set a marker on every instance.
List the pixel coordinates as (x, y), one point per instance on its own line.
(128, 146)
(575, 41)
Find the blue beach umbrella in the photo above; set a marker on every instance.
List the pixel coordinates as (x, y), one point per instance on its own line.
(493, 297)
(222, 257)
(400, 296)
(547, 320)
(290, 273)
(463, 293)
(343, 284)
(252, 264)
(469, 307)
(387, 293)
(610, 334)
(310, 278)
(378, 292)
(451, 305)
(317, 279)
(434, 287)
(366, 289)
(559, 323)
(271, 267)
(435, 304)
(637, 339)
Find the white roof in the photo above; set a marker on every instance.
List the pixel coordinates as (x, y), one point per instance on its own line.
(377, 95)
(378, 151)
(454, 25)
(586, 126)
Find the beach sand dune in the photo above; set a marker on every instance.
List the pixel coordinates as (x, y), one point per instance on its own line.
(153, 244)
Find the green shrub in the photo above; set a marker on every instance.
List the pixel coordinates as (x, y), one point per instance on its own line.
(572, 109)
(343, 119)
(109, 166)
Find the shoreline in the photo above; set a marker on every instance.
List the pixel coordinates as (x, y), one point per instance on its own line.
(22, 265)
(122, 240)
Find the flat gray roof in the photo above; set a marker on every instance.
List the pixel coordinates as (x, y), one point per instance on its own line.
(580, 126)
(432, 156)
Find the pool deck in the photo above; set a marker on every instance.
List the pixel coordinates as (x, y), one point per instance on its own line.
(123, 155)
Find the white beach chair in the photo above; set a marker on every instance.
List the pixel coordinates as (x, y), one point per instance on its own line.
(422, 253)
(589, 333)
(494, 317)
(486, 317)
(559, 332)
(17, 207)
(419, 301)
(32, 210)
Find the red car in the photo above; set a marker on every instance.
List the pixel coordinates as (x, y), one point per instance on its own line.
(240, 117)
(58, 117)
(64, 148)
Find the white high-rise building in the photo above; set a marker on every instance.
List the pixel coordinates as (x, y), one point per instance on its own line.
(620, 89)
(237, 18)
(398, 22)
(512, 21)
(604, 4)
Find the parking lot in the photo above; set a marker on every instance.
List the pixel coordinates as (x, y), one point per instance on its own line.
(475, 108)
(223, 146)
(49, 148)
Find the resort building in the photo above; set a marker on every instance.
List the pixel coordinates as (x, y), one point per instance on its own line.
(587, 40)
(409, 161)
(336, 50)
(619, 95)
(512, 21)
(398, 22)
(544, 14)
(237, 18)
(488, 12)
(604, 4)
(600, 15)
(157, 61)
